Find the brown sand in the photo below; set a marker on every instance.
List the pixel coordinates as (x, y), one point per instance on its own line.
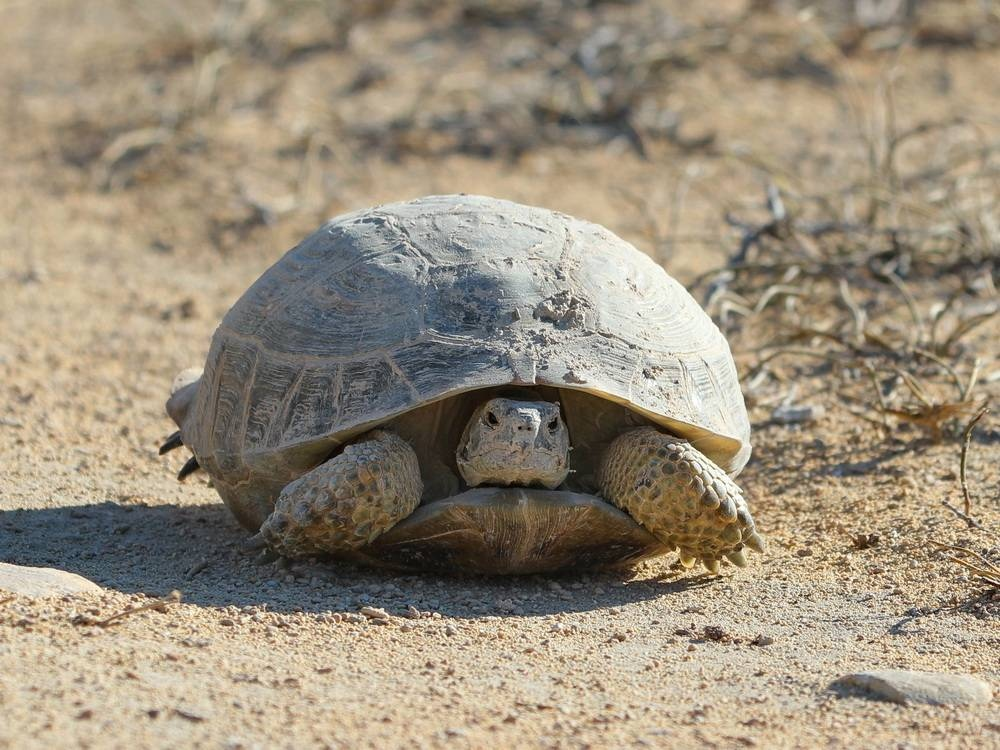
(107, 290)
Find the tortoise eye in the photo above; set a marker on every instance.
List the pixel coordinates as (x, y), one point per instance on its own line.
(492, 419)
(554, 424)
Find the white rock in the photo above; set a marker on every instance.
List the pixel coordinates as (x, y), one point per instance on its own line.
(42, 582)
(931, 688)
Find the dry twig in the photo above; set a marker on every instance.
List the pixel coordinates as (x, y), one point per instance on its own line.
(966, 439)
(159, 605)
(968, 519)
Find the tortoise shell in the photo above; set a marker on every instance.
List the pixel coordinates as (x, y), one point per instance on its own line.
(391, 314)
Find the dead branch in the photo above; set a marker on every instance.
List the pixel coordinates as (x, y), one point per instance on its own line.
(159, 605)
(966, 440)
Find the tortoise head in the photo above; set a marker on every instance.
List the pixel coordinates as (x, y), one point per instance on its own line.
(510, 441)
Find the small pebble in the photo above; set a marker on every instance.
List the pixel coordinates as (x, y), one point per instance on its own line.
(42, 582)
(930, 688)
(374, 613)
(788, 414)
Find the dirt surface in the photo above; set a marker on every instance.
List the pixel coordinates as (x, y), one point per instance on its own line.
(156, 161)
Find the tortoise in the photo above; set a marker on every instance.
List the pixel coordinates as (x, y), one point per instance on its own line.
(463, 383)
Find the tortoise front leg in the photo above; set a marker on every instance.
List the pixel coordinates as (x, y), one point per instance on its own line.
(347, 501)
(679, 495)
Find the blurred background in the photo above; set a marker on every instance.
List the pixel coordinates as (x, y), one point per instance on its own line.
(823, 176)
(218, 126)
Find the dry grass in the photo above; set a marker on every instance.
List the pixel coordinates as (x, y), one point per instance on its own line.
(986, 570)
(886, 281)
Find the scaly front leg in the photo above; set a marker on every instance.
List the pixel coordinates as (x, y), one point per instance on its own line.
(680, 496)
(347, 501)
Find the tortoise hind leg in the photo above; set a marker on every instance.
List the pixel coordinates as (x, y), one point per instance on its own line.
(346, 502)
(679, 495)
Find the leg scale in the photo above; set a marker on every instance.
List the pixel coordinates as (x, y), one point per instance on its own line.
(680, 496)
(347, 501)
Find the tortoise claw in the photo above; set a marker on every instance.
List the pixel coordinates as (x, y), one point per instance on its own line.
(755, 542)
(187, 469)
(737, 558)
(172, 442)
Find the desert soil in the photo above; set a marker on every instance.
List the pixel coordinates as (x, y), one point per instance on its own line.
(153, 166)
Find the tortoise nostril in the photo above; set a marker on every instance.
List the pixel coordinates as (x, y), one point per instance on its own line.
(528, 423)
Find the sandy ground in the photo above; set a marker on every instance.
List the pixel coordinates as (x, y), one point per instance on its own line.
(108, 288)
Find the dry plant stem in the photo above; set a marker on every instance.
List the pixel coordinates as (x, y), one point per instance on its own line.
(883, 407)
(860, 319)
(959, 384)
(932, 417)
(967, 439)
(773, 291)
(973, 378)
(938, 316)
(968, 519)
(965, 327)
(160, 605)
(915, 388)
(982, 567)
(911, 305)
